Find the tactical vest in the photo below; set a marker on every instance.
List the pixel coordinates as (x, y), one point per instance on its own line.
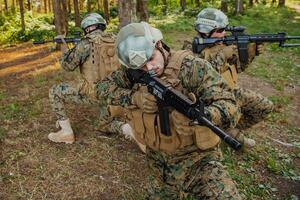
(147, 128)
(100, 63)
(228, 71)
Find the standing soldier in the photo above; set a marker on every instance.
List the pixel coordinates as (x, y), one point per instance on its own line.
(94, 55)
(183, 166)
(224, 59)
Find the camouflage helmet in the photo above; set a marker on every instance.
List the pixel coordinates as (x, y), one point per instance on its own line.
(92, 19)
(135, 44)
(209, 19)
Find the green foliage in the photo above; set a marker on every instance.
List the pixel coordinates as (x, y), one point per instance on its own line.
(36, 28)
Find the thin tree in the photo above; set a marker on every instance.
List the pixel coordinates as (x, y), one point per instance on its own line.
(164, 7)
(59, 20)
(183, 5)
(224, 6)
(127, 12)
(49, 6)
(76, 11)
(22, 15)
(38, 3)
(69, 6)
(142, 10)
(239, 7)
(89, 5)
(28, 5)
(197, 2)
(45, 6)
(106, 10)
(64, 14)
(5, 5)
(81, 4)
(281, 3)
(251, 3)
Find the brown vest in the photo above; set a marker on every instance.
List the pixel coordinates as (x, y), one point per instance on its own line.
(100, 63)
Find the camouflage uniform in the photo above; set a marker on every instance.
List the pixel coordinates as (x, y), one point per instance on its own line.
(189, 171)
(79, 92)
(254, 106)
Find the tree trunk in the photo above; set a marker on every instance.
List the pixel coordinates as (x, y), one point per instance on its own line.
(127, 12)
(197, 2)
(106, 10)
(58, 18)
(80, 4)
(28, 5)
(89, 5)
(76, 11)
(5, 5)
(22, 15)
(251, 3)
(45, 6)
(69, 7)
(49, 6)
(39, 5)
(281, 3)
(164, 7)
(238, 7)
(64, 15)
(224, 6)
(183, 5)
(142, 10)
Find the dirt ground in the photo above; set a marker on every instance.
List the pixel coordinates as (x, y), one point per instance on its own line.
(96, 166)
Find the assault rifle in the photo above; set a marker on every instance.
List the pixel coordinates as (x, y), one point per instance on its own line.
(74, 40)
(167, 96)
(242, 41)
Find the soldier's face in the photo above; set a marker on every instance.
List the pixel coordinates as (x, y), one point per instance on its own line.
(217, 34)
(155, 64)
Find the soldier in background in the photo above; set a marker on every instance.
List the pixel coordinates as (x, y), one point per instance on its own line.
(95, 56)
(182, 166)
(211, 22)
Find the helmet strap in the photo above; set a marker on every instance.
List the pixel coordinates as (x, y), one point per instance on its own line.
(165, 51)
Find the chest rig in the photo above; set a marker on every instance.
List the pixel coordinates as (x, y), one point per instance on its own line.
(146, 126)
(224, 57)
(100, 63)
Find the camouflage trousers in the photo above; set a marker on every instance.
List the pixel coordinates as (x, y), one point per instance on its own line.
(189, 174)
(254, 107)
(70, 92)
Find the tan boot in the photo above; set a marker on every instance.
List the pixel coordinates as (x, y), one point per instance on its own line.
(236, 133)
(65, 135)
(128, 132)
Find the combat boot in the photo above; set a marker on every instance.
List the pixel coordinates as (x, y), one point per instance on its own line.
(128, 132)
(236, 133)
(65, 135)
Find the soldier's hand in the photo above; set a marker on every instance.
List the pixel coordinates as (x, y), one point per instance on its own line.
(259, 49)
(144, 100)
(181, 123)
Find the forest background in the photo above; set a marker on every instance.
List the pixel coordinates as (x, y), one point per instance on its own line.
(99, 166)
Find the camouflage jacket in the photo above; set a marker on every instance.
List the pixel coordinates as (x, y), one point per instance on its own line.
(195, 75)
